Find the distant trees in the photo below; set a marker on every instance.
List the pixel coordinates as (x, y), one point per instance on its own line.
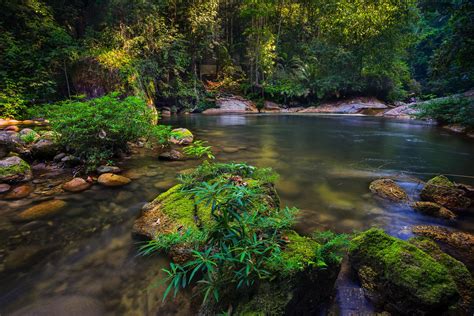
(286, 50)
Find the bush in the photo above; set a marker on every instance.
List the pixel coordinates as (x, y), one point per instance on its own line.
(99, 128)
(452, 110)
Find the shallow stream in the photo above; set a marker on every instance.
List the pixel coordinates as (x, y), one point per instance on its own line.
(85, 261)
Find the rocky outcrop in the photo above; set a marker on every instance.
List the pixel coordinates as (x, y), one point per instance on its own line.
(400, 277)
(433, 209)
(113, 180)
(388, 189)
(14, 169)
(406, 111)
(350, 106)
(442, 191)
(233, 104)
(181, 136)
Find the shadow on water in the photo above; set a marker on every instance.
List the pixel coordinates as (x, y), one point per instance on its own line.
(86, 261)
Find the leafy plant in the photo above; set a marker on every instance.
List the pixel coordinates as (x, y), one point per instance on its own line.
(29, 137)
(451, 110)
(99, 128)
(198, 149)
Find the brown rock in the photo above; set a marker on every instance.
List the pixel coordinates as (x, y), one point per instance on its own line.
(76, 185)
(171, 155)
(19, 192)
(464, 241)
(433, 209)
(12, 128)
(113, 180)
(388, 189)
(442, 191)
(42, 210)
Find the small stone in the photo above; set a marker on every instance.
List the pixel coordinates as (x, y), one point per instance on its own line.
(76, 185)
(171, 155)
(112, 180)
(59, 156)
(4, 187)
(19, 192)
(108, 169)
(42, 210)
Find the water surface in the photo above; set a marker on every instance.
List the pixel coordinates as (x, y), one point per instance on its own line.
(85, 259)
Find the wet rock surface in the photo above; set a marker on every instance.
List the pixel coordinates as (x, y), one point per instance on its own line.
(181, 136)
(14, 169)
(444, 192)
(76, 185)
(433, 209)
(42, 210)
(113, 180)
(172, 155)
(388, 189)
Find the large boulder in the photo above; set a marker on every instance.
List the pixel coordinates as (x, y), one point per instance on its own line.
(405, 111)
(349, 106)
(400, 277)
(14, 169)
(444, 192)
(232, 105)
(433, 209)
(388, 189)
(9, 142)
(181, 136)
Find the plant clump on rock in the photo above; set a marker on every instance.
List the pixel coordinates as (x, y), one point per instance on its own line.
(228, 237)
(14, 169)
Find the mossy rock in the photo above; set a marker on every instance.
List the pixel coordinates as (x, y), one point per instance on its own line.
(401, 277)
(301, 287)
(181, 136)
(14, 169)
(388, 189)
(444, 192)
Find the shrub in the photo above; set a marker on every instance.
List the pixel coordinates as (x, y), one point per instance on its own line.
(199, 149)
(99, 128)
(451, 110)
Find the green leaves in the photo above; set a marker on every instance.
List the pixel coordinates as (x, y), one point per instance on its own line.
(198, 149)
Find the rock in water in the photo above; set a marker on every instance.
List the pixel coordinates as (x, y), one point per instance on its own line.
(181, 136)
(401, 277)
(455, 239)
(19, 192)
(14, 169)
(388, 189)
(433, 209)
(63, 305)
(42, 210)
(108, 169)
(76, 185)
(113, 180)
(442, 191)
(171, 155)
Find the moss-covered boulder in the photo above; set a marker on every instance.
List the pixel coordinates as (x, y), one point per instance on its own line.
(444, 192)
(14, 169)
(433, 209)
(400, 277)
(388, 189)
(302, 285)
(181, 136)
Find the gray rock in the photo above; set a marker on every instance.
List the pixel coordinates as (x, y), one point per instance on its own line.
(171, 155)
(108, 169)
(14, 169)
(45, 149)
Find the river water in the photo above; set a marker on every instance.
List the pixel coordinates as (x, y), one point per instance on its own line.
(85, 261)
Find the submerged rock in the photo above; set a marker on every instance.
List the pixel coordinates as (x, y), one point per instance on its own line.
(401, 277)
(171, 155)
(113, 180)
(24, 257)
(63, 305)
(181, 136)
(433, 209)
(108, 169)
(14, 169)
(460, 240)
(42, 210)
(19, 192)
(444, 192)
(76, 185)
(388, 189)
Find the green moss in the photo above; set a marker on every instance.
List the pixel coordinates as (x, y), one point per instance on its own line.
(8, 171)
(181, 133)
(178, 207)
(298, 254)
(404, 266)
(441, 181)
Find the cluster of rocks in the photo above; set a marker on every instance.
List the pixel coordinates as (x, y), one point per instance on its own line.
(440, 197)
(174, 152)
